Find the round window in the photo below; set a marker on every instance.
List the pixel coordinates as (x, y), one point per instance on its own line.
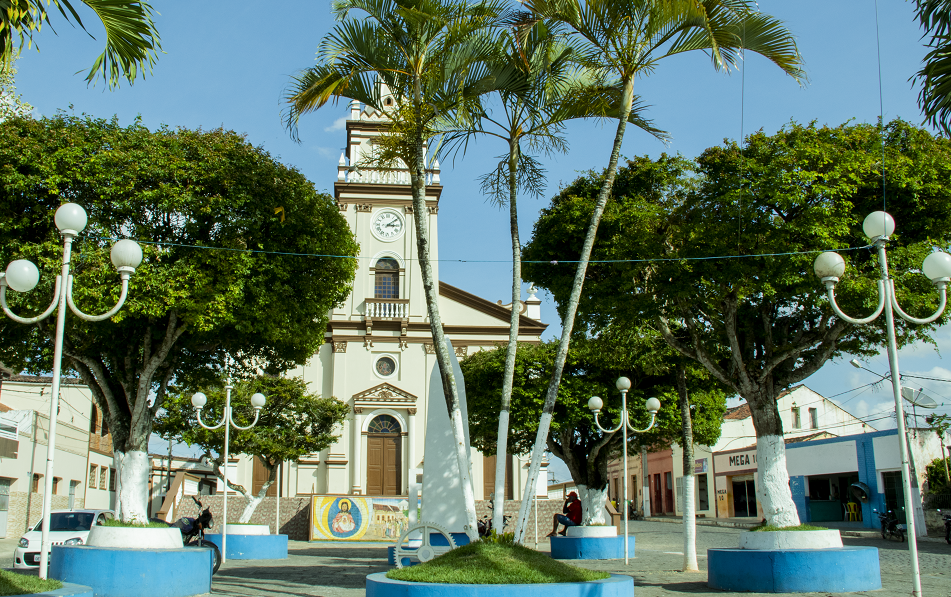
(385, 366)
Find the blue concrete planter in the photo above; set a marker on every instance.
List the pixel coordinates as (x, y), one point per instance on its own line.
(837, 570)
(590, 548)
(120, 572)
(69, 590)
(378, 585)
(253, 547)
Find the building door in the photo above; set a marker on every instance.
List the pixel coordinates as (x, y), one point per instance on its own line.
(744, 498)
(384, 456)
(894, 494)
(657, 504)
(488, 476)
(259, 478)
(669, 494)
(4, 504)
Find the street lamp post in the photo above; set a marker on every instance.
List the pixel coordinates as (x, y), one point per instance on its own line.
(652, 405)
(829, 266)
(22, 276)
(198, 401)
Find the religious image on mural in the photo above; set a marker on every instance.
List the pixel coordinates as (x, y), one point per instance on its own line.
(337, 518)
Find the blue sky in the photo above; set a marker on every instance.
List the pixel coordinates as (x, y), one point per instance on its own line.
(226, 63)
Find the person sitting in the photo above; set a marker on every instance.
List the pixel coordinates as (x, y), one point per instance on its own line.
(570, 517)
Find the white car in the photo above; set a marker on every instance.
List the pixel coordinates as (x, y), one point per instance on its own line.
(67, 527)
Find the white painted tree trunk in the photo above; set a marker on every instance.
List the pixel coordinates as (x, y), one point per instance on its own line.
(690, 524)
(117, 457)
(592, 505)
(134, 486)
(465, 466)
(253, 501)
(772, 487)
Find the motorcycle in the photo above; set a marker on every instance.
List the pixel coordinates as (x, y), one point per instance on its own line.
(193, 532)
(890, 525)
(947, 525)
(485, 524)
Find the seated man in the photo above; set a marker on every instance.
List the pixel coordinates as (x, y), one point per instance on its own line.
(571, 515)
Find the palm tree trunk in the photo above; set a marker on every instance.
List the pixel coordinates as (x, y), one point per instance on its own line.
(568, 324)
(501, 452)
(690, 506)
(420, 219)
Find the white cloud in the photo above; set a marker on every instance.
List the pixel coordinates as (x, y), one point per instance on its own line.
(338, 125)
(326, 152)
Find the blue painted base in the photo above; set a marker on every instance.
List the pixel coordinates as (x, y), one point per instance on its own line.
(253, 547)
(459, 539)
(69, 590)
(590, 548)
(618, 585)
(837, 570)
(119, 572)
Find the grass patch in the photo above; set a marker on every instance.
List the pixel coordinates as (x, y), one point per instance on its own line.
(12, 583)
(115, 522)
(802, 527)
(487, 563)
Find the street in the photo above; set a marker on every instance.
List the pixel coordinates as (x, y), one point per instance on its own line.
(340, 569)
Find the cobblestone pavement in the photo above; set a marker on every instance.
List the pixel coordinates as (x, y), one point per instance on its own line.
(339, 570)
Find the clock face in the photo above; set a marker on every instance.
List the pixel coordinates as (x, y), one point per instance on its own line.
(387, 225)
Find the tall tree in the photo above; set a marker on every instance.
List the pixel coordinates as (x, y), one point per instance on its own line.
(221, 275)
(432, 57)
(626, 39)
(292, 424)
(935, 75)
(592, 368)
(530, 118)
(132, 42)
(721, 258)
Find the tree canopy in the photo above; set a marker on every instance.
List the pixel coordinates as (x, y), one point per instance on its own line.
(593, 367)
(293, 423)
(223, 273)
(719, 254)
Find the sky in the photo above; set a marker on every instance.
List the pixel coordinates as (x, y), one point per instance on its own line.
(226, 64)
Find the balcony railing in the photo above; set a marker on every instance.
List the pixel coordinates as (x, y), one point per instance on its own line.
(382, 175)
(377, 308)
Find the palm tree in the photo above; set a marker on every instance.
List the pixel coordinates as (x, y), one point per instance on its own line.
(551, 89)
(935, 76)
(626, 39)
(132, 42)
(432, 56)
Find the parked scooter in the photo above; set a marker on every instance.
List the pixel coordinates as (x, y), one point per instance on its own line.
(890, 525)
(193, 532)
(947, 525)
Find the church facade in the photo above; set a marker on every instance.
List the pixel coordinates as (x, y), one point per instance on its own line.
(378, 356)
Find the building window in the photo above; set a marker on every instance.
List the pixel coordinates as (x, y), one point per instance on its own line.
(384, 424)
(385, 366)
(92, 476)
(93, 419)
(56, 481)
(36, 482)
(814, 418)
(112, 479)
(104, 430)
(102, 477)
(386, 282)
(796, 421)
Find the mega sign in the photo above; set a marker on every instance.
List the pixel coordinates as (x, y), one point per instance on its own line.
(742, 460)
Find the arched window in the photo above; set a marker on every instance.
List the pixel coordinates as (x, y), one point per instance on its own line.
(384, 424)
(386, 284)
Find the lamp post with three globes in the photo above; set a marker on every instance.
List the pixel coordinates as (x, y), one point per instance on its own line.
(227, 419)
(22, 276)
(652, 405)
(829, 266)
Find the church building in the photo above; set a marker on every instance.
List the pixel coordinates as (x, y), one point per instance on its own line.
(379, 356)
